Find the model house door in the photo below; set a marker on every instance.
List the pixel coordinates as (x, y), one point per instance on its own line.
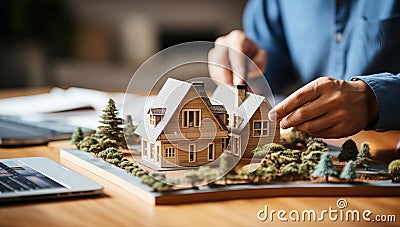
(170, 153)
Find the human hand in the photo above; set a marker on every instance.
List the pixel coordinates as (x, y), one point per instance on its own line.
(328, 108)
(227, 56)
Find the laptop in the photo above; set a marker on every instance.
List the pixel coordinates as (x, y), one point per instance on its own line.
(16, 132)
(41, 178)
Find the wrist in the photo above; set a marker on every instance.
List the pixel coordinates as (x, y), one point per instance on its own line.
(370, 101)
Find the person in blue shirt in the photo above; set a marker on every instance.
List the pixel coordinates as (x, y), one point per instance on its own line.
(347, 53)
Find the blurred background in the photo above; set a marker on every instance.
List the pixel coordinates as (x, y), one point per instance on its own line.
(99, 44)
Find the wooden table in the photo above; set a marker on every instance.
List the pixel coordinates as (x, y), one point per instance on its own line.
(119, 208)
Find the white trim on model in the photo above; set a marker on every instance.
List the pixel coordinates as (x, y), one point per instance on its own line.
(191, 118)
(192, 152)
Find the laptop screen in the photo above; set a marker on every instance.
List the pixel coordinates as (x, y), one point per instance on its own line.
(16, 176)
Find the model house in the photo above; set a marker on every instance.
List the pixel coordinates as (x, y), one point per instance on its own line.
(183, 127)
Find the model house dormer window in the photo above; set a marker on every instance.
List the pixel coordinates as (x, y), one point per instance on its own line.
(260, 128)
(191, 118)
(156, 115)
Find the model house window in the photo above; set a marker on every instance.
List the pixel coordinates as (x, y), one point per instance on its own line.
(144, 147)
(152, 150)
(191, 118)
(169, 152)
(260, 128)
(152, 120)
(236, 145)
(158, 153)
(237, 120)
(211, 152)
(192, 153)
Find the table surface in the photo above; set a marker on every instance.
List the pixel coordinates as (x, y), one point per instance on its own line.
(119, 208)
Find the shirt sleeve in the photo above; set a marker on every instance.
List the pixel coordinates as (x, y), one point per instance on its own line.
(262, 24)
(386, 87)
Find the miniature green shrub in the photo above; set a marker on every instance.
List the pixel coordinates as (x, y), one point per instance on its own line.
(106, 143)
(191, 178)
(95, 148)
(159, 186)
(313, 156)
(87, 142)
(124, 164)
(267, 149)
(207, 174)
(394, 170)
(265, 174)
(291, 169)
(147, 180)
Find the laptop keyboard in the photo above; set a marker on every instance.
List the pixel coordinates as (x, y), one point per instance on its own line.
(20, 178)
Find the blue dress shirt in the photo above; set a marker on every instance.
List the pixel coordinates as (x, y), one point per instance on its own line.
(342, 39)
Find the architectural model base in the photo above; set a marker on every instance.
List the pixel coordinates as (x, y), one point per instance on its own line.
(132, 185)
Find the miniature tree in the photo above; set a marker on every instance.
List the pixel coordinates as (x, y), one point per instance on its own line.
(318, 141)
(291, 170)
(129, 131)
(316, 146)
(313, 156)
(306, 168)
(262, 151)
(111, 128)
(266, 173)
(349, 171)
(348, 151)
(394, 170)
(325, 167)
(77, 137)
(364, 156)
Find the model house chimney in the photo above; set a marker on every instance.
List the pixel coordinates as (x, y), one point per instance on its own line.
(199, 86)
(240, 93)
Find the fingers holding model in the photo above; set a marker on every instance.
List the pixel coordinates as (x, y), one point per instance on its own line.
(226, 57)
(328, 108)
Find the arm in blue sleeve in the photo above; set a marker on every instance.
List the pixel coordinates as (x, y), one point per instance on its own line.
(262, 24)
(386, 87)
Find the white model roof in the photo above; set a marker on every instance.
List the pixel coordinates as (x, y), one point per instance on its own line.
(227, 96)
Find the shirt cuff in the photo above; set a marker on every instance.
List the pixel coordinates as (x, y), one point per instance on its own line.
(386, 89)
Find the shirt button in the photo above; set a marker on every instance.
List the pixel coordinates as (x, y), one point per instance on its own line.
(339, 36)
